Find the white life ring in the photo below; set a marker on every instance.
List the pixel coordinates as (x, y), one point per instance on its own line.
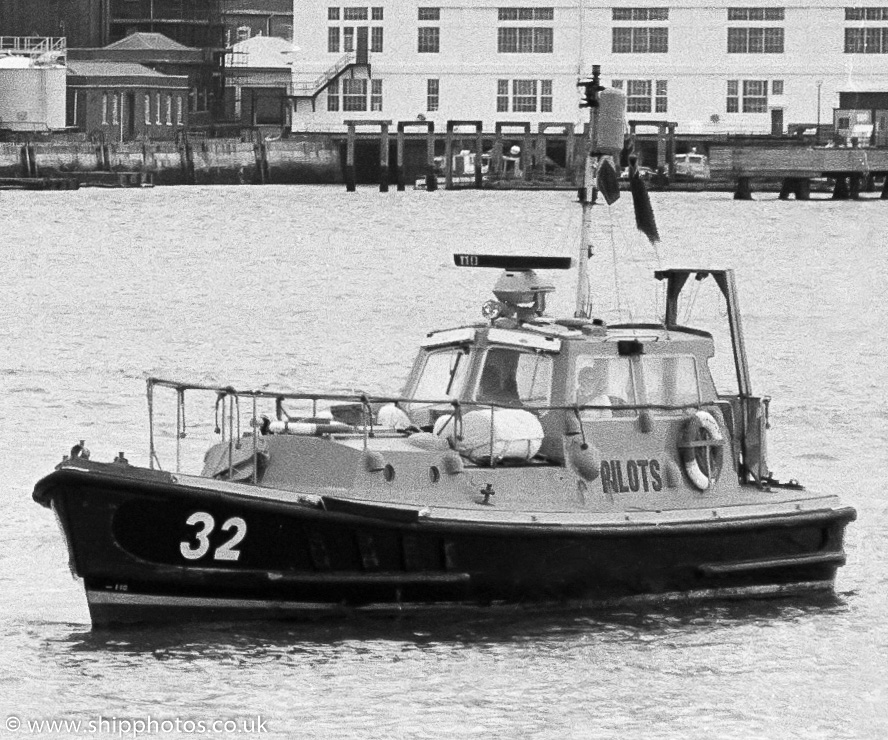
(701, 433)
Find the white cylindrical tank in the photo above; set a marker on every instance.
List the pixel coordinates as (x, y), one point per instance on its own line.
(32, 97)
(611, 121)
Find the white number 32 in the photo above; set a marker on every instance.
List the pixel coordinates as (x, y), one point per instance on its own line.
(206, 523)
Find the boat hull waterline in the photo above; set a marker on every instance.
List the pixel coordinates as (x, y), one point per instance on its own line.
(156, 547)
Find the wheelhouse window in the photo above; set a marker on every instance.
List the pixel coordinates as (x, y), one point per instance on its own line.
(519, 377)
(606, 382)
(442, 376)
(670, 381)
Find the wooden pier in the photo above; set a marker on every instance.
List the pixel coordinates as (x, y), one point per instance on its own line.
(852, 170)
(464, 155)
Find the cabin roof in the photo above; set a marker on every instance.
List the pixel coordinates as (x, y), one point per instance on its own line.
(550, 335)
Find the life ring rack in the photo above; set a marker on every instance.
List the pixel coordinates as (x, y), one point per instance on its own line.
(701, 447)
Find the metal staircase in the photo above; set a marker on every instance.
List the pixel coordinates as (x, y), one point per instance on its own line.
(349, 62)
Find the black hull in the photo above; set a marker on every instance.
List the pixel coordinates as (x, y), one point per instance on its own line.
(128, 537)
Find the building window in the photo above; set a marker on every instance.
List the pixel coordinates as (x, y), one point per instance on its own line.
(169, 110)
(428, 40)
(157, 113)
(147, 99)
(355, 14)
(429, 14)
(333, 39)
(526, 14)
(640, 14)
(333, 95)
(528, 96)
(755, 41)
(115, 109)
(524, 96)
(376, 14)
(332, 14)
(376, 94)
(433, 99)
(776, 87)
(638, 96)
(756, 14)
(733, 104)
(866, 14)
(631, 40)
(644, 96)
(105, 108)
(866, 40)
(534, 40)
(354, 95)
(180, 111)
(660, 96)
(376, 38)
(348, 39)
(754, 99)
(502, 96)
(545, 96)
(755, 96)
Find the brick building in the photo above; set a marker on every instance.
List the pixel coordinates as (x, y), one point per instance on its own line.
(125, 101)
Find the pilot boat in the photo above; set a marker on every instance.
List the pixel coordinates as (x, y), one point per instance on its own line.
(530, 462)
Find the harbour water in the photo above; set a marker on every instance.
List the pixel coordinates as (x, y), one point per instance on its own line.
(307, 287)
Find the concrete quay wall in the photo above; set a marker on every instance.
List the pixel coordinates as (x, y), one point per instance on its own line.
(304, 159)
(309, 159)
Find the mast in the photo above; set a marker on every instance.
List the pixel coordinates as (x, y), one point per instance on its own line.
(591, 88)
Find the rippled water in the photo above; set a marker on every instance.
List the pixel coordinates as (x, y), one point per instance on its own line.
(309, 287)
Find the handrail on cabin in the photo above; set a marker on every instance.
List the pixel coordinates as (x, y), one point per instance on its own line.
(359, 397)
(366, 401)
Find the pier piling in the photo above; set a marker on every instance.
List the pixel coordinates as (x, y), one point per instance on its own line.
(431, 177)
(800, 187)
(787, 187)
(448, 157)
(840, 191)
(479, 151)
(384, 158)
(399, 159)
(526, 154)
(570, 154)
(350, 184)
(744, 189)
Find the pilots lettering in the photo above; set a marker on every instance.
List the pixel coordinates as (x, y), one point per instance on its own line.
(618, 476)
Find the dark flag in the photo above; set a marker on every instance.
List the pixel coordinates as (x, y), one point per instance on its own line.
(608, 184)
(644, 213)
